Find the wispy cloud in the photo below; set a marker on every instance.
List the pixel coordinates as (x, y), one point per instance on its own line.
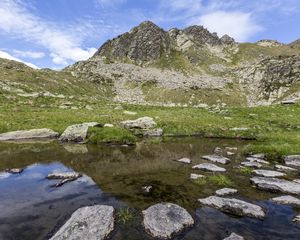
(64, 45)
(29, 54)
(10, 57)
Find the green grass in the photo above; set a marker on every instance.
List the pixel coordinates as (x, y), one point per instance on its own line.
(221, 180)
(200, 181)
(246, 170)
(125, 215)
(115, 135)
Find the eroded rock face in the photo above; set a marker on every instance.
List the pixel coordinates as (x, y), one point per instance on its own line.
(268, 173)
(77, 132)
(28, 134)
(234, 236)
(292, 160)
(209, 167)
(226, 191)
(234, 206)
(166, 219)
(217, 159)
(140, 123)
(93, 223)
(287, 200)
(276, 185)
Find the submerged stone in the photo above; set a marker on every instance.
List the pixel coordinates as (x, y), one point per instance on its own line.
(64, 177)
(268, 173)
(93, 223)
(217, 159)
(226, 191)
(287, 200)
(163, 220)
(234, 206)
(209, 167)
(276, 185)
(28, 134)
(292, 160)
(234, 236)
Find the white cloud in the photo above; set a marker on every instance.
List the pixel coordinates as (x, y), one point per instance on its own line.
(109, 3)
(238, 25)
(10, 57)
(63, 44)
(29, 54)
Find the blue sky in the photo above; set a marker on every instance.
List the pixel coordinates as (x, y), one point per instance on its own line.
(56, 33)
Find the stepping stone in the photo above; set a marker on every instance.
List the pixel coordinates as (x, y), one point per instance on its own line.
(209, 167)
(185, 160)
(93, 223)
(234, 206)
(226, 191)
(258, 155)
(234, 236)
(296, 219)
(164, 220)
(14, 170)
(217, 159)
(268, 173)
(29, 134)
(287, 200)
(195, 176)
(251, 164)
(276, 185)
(258, 160)
(63, 177)
(284, 168)
(292, 160)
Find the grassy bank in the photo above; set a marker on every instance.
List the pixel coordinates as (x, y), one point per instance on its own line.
(276, 128)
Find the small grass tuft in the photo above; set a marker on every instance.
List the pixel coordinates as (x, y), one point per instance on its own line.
(125, 215)
(246, 170)
(200, 181)
(221, 180)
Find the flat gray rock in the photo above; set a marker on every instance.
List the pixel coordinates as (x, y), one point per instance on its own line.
(140, 123)
(234, 236)
(284, 168)
(209, 167)
(268, 173)
(14, 170)
(258, 160)
(163, 220)
(296, 219)
(251, 164)
(93, 223)
(276, 185)
(287, 200)
(184, 160)
(234, 206)
(158, 132)
(77, 132)
(292, 160)
(64, 177)
(195, 176)
(226, 191)
(216, 159)
(28, 134)
(258, 155)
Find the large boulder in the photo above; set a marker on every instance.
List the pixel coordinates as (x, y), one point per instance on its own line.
(292, 160)
(28, 134)
(166, 219)
(77, 132)
(276, 185)
(234, 206)
(93, 223)
(217, 159)
(140, 123)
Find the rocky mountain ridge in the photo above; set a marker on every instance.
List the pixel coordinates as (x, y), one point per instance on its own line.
(188, 67)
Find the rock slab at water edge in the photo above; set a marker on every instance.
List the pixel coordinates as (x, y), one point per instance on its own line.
(93, 223)
(268, 173)
(77, 132)
(234, 236)
(140, 123)
(28, 134)
(64, 177)
(209, 167)
(216, 159)
(276, 185)
(251, 164)
(226, 191)
(234, 206)
(163, 220)
(292, 160)
(287, 200)
(296, 219)
(284, 168)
